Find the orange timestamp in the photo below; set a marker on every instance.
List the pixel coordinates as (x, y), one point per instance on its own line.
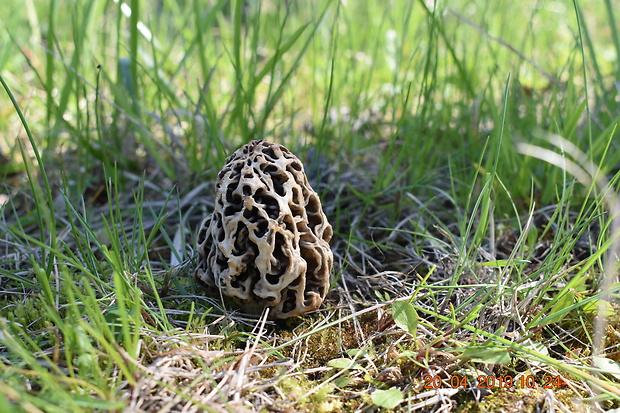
(547, 381)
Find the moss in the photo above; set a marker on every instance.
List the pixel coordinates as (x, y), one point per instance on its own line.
(295, 387)
(521, 401)
(322, 400)
(325, 345)
(27, 312)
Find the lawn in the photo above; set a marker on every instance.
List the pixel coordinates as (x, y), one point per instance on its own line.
(466, 154)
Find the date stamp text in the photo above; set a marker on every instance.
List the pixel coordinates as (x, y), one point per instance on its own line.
(490, 382)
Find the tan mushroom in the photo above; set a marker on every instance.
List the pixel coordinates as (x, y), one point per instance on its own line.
(266, 244)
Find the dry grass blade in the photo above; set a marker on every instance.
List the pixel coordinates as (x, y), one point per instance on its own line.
(589, 176)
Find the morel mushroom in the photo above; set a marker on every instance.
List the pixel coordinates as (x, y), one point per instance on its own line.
(266, 244)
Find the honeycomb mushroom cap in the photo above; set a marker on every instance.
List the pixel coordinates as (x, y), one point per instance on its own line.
(266, 244)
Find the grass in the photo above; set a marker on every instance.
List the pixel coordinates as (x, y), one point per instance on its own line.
(466, 155)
